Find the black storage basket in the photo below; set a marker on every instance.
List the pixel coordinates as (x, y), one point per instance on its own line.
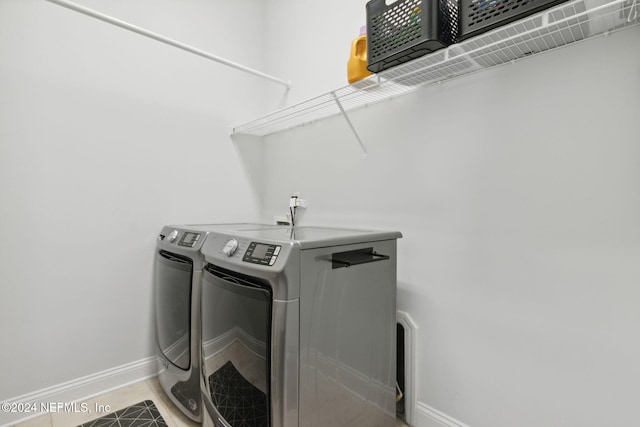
(479, 16)
(407, 29)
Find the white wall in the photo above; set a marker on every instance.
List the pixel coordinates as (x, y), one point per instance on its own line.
(309, 44)
(106, 136)
(518, 193)
(516, 190)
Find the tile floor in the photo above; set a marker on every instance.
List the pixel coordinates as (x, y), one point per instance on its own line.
(118, 399)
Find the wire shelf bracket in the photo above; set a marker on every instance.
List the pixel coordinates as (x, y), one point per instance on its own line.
(353, 129)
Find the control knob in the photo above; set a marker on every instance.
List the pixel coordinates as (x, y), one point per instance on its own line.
(230, 247)
(173, 236)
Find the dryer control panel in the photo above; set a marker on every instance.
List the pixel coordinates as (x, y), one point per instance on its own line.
(261, 253)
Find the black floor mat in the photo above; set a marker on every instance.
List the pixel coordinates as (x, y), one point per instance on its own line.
(237, 400)
(143, 414)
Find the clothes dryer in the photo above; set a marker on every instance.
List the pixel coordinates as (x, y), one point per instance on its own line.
(299, 327)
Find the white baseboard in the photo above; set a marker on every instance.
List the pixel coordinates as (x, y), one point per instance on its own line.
(81, 388)
(431, 417)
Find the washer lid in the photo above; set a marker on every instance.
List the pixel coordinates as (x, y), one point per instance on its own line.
(228, 227)
(313, 237)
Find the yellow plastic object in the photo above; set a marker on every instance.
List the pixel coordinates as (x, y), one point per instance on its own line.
(357, 64)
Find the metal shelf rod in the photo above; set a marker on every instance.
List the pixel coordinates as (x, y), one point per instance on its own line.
(158, 37)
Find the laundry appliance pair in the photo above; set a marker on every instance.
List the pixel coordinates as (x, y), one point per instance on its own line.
(275, 326)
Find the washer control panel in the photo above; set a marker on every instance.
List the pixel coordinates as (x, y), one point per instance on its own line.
(189, 239)
(261, 253)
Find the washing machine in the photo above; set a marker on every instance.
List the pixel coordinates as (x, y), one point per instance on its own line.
(177, 286)
(299, 327)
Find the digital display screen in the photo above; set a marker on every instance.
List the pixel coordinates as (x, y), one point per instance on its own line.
(260, 251)
(189, 239)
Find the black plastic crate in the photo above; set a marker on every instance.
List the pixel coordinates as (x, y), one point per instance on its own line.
(479, 16)
(407, 29)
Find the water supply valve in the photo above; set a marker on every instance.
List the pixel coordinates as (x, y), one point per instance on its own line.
(295, 202)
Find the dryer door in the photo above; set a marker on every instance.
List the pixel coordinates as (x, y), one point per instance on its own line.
(173, 307)
(236, 348)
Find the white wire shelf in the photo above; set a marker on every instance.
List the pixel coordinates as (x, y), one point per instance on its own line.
(563, 25)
